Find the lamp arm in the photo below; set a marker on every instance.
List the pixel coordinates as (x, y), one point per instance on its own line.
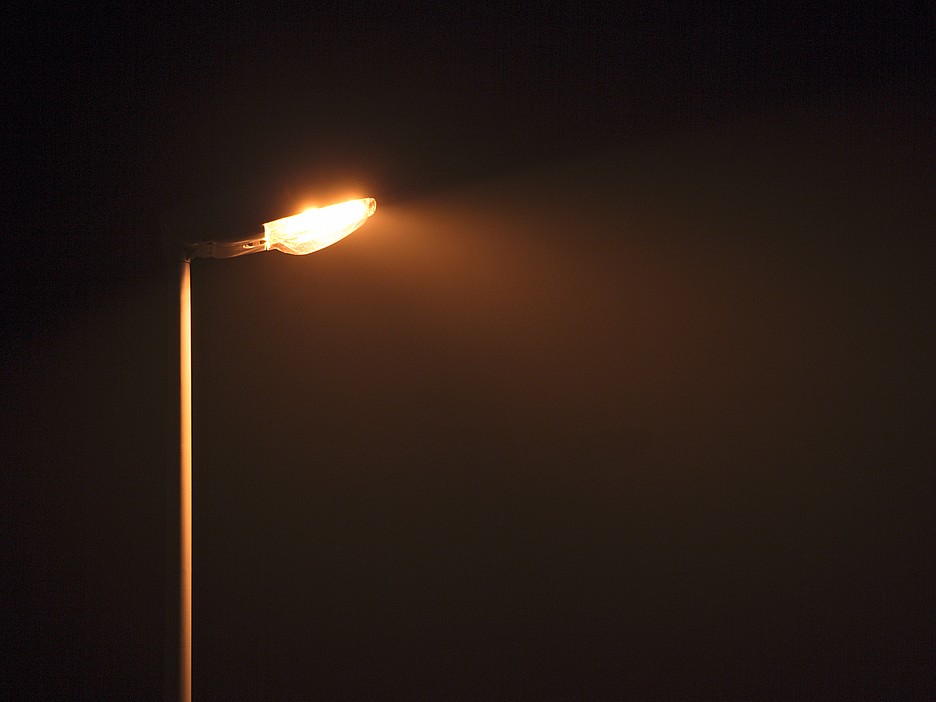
(226, 249)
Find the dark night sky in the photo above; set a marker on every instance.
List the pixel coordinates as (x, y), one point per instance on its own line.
(624, 393)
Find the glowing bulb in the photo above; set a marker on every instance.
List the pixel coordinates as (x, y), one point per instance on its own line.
(317, 228)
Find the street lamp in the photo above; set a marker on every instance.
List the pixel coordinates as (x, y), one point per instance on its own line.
(300, 234)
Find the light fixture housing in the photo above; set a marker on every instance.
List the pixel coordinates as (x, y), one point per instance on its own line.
(299, 234)
(317, 228)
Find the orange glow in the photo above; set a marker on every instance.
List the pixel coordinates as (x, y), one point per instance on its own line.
(317, 228)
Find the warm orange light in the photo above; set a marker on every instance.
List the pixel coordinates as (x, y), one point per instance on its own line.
(317, 228)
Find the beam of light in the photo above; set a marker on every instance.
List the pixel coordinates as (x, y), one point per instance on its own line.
(317, 228)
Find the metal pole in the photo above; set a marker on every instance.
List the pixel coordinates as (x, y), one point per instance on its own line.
(185, 481)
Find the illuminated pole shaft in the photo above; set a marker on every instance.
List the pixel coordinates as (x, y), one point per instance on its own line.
(185, 483)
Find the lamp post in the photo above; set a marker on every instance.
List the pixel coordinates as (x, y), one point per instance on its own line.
(300, 234)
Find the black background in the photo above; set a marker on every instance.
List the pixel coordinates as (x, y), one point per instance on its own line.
(624, 392)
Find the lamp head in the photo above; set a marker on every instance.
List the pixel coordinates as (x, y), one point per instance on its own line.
(300, 234)
(317, 228)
